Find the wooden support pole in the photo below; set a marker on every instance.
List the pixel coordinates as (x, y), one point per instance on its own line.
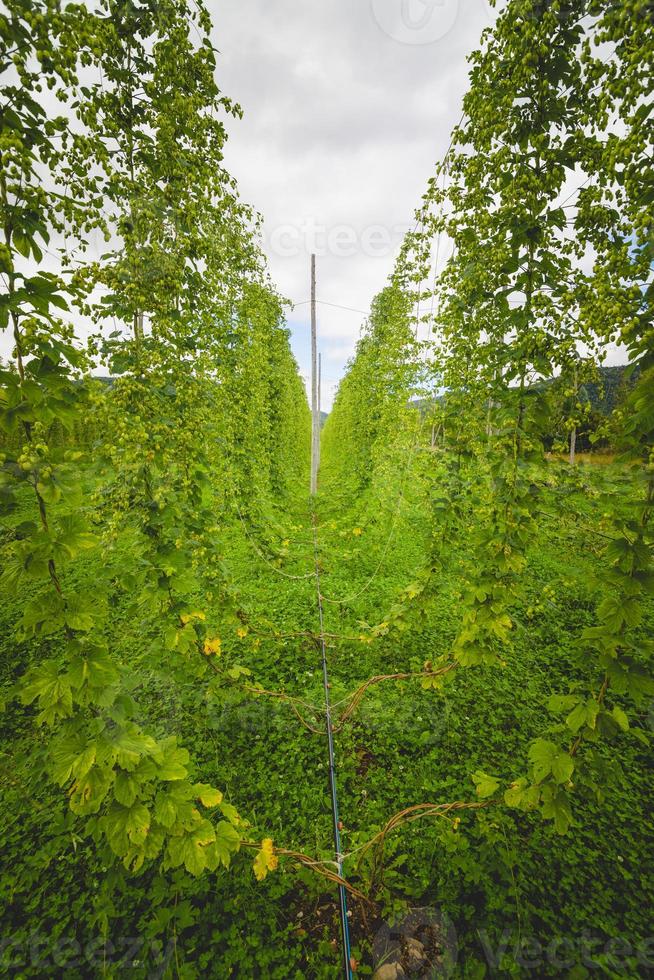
(315, 417)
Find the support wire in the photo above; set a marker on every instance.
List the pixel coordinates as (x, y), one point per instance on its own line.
(342, 897)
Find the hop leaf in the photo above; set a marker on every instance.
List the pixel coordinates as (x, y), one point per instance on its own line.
(189, 617)
(207, 795)
(213, 646)
(266, 860)
(486, 785)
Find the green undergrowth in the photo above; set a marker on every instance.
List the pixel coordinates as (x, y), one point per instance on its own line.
(523, 901)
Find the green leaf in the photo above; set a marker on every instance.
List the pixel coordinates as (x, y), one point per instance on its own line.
(53, 691)
(561, 702)
(64, 753)
(577, 718)
(90, 791)
(131, 745)
(558, 809)
(165, 810)
(562, 767)
(227, 842)
(74, 536)
(620, 717)
(138, 823)
(50, 491)
(231, 813)
(194, 857)
(609, 612)
(126, 788)
(541, 755)
(522, 796)
(84, 761)
(80, 613)
(173, 765)
(514, 795)
(486, 785)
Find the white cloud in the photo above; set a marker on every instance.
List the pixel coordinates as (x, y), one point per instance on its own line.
(343, 125)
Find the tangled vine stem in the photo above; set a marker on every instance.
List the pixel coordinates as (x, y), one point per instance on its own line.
(282, 696)
(356, 698)
(306, 634)
(408, 815)
(353, 700)
(416, 812)
(320, 867)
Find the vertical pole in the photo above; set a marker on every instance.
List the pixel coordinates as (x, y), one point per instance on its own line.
(315, 430)
(573, 432)
(336, 823)
(573, 445)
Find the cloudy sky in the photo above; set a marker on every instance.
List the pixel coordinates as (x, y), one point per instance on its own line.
(348, 105)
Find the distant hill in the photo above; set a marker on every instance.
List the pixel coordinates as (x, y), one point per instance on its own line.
(605, 395)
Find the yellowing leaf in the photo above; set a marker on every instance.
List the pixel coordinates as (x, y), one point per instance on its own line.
(213, 646)
(188, 617)
(207, 795)
(266, 860)
(242, 632)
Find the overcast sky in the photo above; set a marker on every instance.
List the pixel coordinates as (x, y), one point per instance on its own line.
(348, 105)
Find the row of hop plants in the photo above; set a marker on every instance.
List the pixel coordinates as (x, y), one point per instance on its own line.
(543, 205)
(120, 222)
